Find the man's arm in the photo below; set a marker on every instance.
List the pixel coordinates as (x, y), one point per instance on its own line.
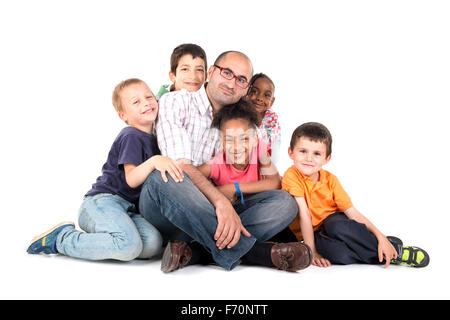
(205, 169)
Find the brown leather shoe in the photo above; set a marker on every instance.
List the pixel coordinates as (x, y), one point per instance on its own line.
(291, 256)
(176, 255)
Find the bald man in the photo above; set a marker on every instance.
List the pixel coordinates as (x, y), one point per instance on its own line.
(195, 219)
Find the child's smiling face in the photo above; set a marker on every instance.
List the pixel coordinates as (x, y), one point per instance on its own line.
(261, 94)
(140, 107)
(309, 157)
(190, 73)
(238, 138)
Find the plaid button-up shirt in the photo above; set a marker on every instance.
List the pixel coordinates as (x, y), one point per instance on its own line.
(183, 128)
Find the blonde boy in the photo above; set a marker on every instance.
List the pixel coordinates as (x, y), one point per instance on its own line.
(113, 227)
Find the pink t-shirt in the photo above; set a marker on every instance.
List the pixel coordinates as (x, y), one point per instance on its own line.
(224, 173)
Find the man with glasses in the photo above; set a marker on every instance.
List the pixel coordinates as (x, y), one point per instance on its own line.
(192, 215)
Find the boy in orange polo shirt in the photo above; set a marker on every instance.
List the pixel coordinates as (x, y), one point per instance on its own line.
(328, 223)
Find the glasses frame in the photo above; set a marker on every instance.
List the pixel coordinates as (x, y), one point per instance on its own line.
(233, 76)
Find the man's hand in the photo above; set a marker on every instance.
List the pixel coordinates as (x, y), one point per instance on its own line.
(229, 226)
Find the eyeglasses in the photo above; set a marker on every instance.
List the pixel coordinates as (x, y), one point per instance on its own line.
(228, 74)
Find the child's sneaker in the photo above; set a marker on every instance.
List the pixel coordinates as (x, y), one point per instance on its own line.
(46, 242)
(396, 242)
(412, 256)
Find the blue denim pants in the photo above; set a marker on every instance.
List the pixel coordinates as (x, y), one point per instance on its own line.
(113, 230)
(181, 212)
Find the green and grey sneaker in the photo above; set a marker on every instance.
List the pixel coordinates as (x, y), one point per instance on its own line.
(396, 242)
(412, 256)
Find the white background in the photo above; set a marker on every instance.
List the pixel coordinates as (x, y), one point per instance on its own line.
(376, 73)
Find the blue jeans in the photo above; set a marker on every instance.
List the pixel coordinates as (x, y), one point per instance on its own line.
(113, 230)
(181, 212)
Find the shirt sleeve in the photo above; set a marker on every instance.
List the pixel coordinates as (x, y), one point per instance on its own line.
(131, 150)
(272, 126)
(292, 184)
(276, 129)
(341, 197)
(173, 140)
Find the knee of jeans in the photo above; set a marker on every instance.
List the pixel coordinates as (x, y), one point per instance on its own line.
(154, 185)
(151, 247)
(128, 247)
(151, 180)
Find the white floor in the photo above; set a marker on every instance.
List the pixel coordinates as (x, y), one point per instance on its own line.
(376, 73)
(26, 276)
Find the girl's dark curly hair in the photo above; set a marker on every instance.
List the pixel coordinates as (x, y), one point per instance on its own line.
(239, 110)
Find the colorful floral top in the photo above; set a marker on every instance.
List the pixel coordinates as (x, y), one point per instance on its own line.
(270, 129)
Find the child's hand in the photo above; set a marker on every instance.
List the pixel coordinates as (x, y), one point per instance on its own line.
(386, 251)
(166, 164)
(229, 191)
(320, 261)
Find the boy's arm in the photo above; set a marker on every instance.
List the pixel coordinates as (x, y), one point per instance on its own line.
(136, 175)
(354, 214)
(308, 232)
(305, 223)
(385, 249)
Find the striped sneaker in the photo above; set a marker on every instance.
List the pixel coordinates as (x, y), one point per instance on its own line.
(46, 242)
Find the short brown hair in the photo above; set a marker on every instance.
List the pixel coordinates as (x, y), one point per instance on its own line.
(117, 103)
(186, 48)
(314, 131)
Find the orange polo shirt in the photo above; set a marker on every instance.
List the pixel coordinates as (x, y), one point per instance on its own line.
(323, 198)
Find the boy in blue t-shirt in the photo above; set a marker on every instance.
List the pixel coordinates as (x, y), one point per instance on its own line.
(113, 227)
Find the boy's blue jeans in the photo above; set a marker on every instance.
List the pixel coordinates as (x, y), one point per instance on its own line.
(181, 212)
(113, 230)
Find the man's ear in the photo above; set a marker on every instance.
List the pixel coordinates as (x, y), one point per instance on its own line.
(210, 71)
